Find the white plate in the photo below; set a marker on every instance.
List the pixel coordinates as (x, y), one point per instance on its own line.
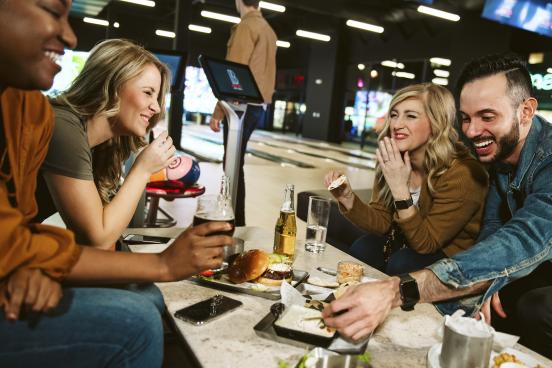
(528, 362)
(526, 359)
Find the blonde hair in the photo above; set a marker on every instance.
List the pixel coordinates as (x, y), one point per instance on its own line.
(96, 90)
(443, 145)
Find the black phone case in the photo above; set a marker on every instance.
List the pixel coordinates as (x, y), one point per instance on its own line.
(207, 310)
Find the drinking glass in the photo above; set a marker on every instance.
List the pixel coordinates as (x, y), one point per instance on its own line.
(214, 208)
(219, 208)
(317, 224)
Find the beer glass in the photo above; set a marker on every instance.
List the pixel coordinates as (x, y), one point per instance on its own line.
(317, 224)
(214, 208)
(219, 208)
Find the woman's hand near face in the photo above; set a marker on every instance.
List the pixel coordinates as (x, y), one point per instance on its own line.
(157, 155)
(395, 170)
(344, 194)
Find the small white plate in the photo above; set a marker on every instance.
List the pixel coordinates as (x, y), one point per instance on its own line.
(433, 356)
(528, 362)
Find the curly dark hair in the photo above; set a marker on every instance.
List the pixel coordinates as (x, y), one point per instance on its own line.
(514, 69)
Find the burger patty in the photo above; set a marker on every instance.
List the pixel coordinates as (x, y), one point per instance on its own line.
(277, 275)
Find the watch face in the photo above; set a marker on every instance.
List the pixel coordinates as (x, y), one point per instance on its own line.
(410, 291)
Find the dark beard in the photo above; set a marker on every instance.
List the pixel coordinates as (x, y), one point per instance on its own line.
(508, 143)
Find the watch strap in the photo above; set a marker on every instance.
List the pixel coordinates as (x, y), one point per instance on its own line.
(410, 294)
(404, 204)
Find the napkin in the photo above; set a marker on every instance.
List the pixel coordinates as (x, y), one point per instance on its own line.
(477, 328)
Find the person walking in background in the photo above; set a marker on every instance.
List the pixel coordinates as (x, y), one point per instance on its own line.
(252, 42)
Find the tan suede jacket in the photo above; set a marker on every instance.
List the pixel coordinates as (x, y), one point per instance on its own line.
(449, 219)
(253, 42)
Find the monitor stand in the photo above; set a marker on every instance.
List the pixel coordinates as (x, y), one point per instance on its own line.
(234, 118)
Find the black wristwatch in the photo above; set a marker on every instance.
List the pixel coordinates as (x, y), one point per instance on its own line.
(410, 295)
(403, 205)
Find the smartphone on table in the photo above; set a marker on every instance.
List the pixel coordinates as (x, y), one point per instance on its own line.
(145, 239)
(207, 310)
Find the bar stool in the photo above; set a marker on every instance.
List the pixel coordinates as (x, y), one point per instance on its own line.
(155, 191)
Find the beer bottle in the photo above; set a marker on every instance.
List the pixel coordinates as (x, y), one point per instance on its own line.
(285, 232)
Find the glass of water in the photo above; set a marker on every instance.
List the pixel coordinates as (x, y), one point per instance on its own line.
(317, 224)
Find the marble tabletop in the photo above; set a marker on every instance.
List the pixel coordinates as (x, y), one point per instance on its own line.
(403, 340)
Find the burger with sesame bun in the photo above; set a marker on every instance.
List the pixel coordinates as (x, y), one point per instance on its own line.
(258, 266)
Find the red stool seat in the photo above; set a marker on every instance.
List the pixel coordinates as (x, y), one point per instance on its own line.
(169, 191)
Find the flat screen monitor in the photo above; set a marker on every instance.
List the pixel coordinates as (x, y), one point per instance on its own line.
(176, 61)
(231, 81)
(531, 15)
(369, 108)
(198, 96)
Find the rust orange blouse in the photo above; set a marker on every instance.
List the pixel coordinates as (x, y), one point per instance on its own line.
(27, 120)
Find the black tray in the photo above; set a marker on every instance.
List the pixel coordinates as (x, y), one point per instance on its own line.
(265, 329)
(299, 277)
(315, 340)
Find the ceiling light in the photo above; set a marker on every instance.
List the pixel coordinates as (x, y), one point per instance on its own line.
(313, 35)
(149, 3)
(392, 64)
(99, 22)
(361, 66)
(549, 70)
(272, 6)
(283, 44)
(440, 81)
(441, 73)
(404, 75)
(536, 58)
(364, 26)
(196, 28)
(438, 13)
(162, 33)
(218, 16)
(373, 73)
(116, 24)
(440, 61)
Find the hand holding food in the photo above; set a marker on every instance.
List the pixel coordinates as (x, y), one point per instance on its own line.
(340, 188)
(157, 155)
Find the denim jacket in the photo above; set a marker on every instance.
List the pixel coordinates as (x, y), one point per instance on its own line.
(516, 236)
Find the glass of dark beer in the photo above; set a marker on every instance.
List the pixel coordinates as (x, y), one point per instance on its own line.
(219, 208)
(214, 208)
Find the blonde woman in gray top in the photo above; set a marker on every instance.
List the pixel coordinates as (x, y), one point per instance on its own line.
(103, 116)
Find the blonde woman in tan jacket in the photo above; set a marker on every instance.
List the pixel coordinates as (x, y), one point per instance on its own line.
(429, 192)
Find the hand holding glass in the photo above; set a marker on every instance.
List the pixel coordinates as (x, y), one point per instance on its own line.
(214, 208)
(317, 224)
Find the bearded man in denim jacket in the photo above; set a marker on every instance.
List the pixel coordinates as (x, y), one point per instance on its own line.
(513, 253)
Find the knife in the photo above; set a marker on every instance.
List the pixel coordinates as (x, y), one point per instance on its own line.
(327, 271)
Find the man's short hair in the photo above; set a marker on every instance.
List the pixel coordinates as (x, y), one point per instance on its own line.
(254, 3)
(512, 66)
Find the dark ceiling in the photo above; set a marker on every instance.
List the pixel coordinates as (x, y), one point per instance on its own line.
(375, 11)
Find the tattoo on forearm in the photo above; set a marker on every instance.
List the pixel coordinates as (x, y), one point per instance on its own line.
(433, 290)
